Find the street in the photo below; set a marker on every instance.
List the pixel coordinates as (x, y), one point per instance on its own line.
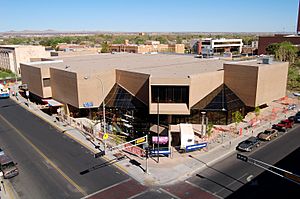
(234, 178)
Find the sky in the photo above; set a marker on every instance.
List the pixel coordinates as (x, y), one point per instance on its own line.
(150, 15)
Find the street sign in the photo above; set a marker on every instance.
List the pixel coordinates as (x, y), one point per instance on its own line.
(88, 104)
(140, 140)
(196, 146)
(100, 154)
(105, 136)
(160, 152)
(242, 157)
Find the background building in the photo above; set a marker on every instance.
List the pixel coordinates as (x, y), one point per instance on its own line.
(148, 47)
(218, 46)
(12, 55)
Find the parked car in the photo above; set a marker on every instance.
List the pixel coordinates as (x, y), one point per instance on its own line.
(268, 134)
(8, 167)
(283, 125)
(249, 144)
(297, 117)
(1, 152)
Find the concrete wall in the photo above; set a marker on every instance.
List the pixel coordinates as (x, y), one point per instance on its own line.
(32, 76)
(242, 80)
(257, 84)
(272, 80)
(64, 86)
(90, 87)
(135, 83)
(204, 83)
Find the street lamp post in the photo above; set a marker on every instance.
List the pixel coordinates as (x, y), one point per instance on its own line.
(158, 127)
(104, 121)
(202, 122)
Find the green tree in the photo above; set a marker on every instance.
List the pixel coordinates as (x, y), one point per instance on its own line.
(294, 77)
(237, 117)
(286, 51)
(105, 47)
(272, 48)
(257, 111)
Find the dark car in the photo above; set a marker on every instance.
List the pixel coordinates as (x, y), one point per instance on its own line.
(297, 117)
(268, 134)
(249, 144)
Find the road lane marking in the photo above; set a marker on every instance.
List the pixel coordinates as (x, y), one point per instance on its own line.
(165, 191)
(234, 181)
(139, 194)
(249, 178)
(106, 188)
(45, 157)
(197, 186)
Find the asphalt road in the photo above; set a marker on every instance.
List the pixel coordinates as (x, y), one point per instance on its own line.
(232, 178)
(50, 162)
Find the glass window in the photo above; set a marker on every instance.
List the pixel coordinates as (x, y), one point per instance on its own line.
(170, 94)
(46, 82)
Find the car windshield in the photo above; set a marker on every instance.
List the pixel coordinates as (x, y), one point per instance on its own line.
(248, 142)
(268, 132)
(8, 165)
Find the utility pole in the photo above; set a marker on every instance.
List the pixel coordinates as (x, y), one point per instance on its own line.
(158, 126)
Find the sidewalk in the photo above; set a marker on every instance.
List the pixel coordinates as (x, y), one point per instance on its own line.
(168, 170)
(6, 190)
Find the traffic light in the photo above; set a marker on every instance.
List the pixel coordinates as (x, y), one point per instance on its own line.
(100, 154)
(242, 157)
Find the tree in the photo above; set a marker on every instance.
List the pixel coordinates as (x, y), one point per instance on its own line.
(284, 51)
(272, 48)
(257, 111)
(237, 117)
(105, 47)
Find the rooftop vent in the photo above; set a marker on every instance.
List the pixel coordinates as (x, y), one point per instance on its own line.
(266, 60)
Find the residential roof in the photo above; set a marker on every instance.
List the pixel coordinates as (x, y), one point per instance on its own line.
(157, 65)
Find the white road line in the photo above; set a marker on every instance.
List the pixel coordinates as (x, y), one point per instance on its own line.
(136, 195)
(197, 186)
(106, 188)
(169, 193)
(237, 180)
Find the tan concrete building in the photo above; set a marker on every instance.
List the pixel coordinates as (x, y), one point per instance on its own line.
(12, 55)
(148, 47)
(176, 87)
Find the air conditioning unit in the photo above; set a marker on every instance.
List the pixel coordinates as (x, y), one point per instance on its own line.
(266, 60)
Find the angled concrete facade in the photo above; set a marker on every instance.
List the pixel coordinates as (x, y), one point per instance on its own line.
(169, 84)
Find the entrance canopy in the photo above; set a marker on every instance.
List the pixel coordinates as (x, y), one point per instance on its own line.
(52, 102)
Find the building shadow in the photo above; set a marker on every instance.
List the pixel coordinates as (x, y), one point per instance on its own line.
(217, 183)
(99, 166)
(210, 167)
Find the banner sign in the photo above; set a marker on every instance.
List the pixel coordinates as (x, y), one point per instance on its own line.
(135, 150)
(88, 104)
(162, 139)
(196, 146)
(160, 152)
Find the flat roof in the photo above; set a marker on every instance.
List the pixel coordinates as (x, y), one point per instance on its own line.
(255, 63)
(156, 65)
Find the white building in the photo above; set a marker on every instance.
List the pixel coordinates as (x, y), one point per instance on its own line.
(222, 45)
